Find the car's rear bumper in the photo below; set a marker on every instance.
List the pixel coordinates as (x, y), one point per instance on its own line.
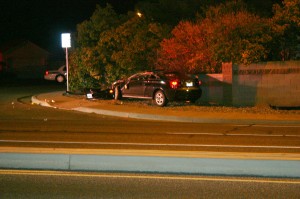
(188, 94)
(49, 77)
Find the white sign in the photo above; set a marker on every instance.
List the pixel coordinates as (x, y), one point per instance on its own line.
(66, 40)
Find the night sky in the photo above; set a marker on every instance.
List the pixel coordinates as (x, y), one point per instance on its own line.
(42, 21)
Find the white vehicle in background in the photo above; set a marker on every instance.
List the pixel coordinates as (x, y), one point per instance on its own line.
(59, 75)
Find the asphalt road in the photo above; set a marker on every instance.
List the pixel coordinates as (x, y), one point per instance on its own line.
(36, 137)
(26, 125)
(57, 184)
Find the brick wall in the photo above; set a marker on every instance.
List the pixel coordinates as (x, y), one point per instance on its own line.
(268, 83)
(271, 83)
(212, 89)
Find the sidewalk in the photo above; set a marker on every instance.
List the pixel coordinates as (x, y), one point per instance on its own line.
(152, 164)
(144, 110)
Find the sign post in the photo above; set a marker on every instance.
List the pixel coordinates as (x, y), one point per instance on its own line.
(66, 43)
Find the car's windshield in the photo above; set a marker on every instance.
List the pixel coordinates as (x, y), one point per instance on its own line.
(171, 75)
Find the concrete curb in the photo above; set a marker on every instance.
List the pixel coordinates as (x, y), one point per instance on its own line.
(133, 115)
(199, 166)
(178, 118)
(34, 100)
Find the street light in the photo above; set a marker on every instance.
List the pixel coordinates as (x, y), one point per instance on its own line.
(139, 14)
(66, 43)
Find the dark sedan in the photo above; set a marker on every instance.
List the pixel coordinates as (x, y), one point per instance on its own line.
(160, 87)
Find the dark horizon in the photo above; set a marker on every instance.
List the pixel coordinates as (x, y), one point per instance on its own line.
(42, 22)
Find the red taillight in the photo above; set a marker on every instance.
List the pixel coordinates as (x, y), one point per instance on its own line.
(47, 72)
(174, 84)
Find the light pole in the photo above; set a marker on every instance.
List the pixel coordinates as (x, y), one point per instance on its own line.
(66, 43)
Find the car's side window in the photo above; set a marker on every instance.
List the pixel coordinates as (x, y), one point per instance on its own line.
(142, 77)
(134, 78)
(152, 77)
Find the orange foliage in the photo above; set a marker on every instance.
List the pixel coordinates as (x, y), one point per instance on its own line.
(187, 50)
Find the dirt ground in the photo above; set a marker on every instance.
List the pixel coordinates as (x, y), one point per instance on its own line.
(198, 110)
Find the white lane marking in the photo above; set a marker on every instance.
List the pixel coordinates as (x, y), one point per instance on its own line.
(235, 134)
(150, 144)
(264, 125)
(274, 126)
(187, 133)
(143, 176)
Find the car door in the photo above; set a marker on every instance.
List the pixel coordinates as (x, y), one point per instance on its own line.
(135, 87)
(150, 85)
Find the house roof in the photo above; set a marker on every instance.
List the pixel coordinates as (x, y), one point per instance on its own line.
(11, 46)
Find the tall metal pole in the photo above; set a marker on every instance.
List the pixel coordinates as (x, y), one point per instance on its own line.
(67, 67)
(66, 43)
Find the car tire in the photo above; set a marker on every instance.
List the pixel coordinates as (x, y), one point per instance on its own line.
(160, 98)
(117, 93)
(60, 79)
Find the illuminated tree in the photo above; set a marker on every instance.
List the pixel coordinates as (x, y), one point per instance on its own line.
(131, 47)
(228, 33)
(103, 19)
(236, 35)
(187, 51)
(286, 24)
(87, 69)
(111, 46)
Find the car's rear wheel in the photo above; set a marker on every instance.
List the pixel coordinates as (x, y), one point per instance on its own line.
(60, 79)
(117, 92)
(160, 98)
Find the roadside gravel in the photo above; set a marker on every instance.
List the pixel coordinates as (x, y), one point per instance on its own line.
(201, 107)
(174, 109)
